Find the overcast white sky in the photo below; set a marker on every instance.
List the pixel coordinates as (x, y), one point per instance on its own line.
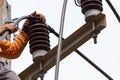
(106, 53)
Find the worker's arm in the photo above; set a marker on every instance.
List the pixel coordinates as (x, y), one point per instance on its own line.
(14, 49)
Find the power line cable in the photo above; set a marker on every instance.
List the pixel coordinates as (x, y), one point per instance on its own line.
(60, 39)
(113, 9)
(77, 3)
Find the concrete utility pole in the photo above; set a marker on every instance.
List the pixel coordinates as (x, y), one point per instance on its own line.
(5, 15)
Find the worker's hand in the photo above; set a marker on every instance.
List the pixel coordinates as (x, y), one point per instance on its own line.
(8, 27)
(28, 22)
(41, 17)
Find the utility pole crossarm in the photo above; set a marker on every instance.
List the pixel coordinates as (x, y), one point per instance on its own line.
(74, 41)
(71, 43)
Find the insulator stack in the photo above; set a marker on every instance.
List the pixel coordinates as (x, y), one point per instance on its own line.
(90, 8)
(38, 40)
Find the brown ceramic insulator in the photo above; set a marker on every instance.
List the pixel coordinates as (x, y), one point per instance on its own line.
(39, 47)
(36, 34)
(39, 37)
(91, 4)
(39, 42)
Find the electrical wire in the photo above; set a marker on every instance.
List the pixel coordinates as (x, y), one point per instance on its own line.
(113, 9)
(60, 39)
(78, 3)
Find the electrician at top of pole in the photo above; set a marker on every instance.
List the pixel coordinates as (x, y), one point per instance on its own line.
(12, 50)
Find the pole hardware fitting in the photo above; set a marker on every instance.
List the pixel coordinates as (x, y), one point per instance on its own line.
(95, 32)
(41, 74)
(95, 35)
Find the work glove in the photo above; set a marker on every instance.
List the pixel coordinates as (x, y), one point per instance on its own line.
(8, 27)
(29, 22)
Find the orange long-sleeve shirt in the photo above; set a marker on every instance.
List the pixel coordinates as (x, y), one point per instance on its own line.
(13, 49)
